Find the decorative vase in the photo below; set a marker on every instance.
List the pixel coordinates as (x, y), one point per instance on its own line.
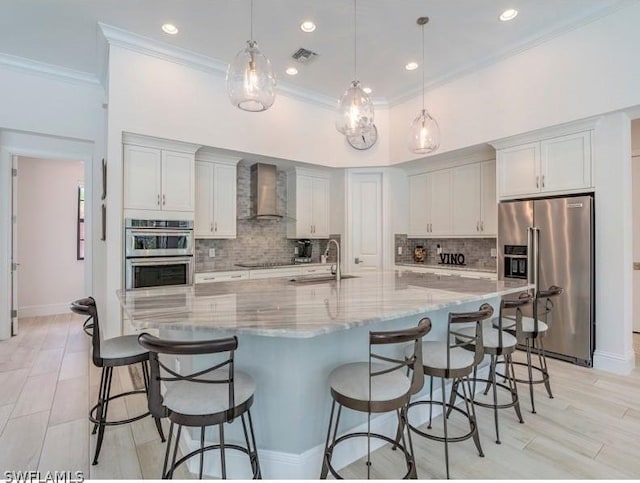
(419, 254)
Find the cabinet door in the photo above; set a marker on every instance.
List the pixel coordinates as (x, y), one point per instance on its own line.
(320, 207)
(440, 201)
(224, 201)
(203, 226)
(489, 221)
(467, 214)
(519, 170)
(142, 178)
(566, 162)
(304, 206)
(178, 181)
(419, 205)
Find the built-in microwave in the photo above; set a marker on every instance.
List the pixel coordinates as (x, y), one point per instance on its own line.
(158, 272)
(158, 238)
(515, 261)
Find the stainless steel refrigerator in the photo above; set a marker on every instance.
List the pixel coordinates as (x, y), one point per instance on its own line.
(551, 242)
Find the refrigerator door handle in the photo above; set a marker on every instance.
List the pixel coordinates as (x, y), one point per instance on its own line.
(536, 255)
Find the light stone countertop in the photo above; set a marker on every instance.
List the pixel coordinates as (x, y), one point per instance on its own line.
(281, 308)
(462, 268)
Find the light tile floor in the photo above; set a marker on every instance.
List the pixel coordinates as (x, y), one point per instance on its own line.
(589, 430)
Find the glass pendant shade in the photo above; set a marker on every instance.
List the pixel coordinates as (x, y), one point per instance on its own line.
(251, 84)
(355, 111)
(424, 135)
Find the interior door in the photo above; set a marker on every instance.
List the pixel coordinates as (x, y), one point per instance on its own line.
(366, 221)
(14, 247)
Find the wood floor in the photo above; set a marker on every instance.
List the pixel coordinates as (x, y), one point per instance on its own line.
(589, 430)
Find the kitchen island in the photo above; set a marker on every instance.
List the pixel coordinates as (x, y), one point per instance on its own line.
(292, 334)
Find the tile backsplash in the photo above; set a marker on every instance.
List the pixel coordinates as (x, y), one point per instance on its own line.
(477, 251)
(257, 241)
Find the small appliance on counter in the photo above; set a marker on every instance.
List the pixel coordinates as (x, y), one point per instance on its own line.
(304, 248)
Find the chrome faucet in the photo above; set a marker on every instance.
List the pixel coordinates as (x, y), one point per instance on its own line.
(326, 253)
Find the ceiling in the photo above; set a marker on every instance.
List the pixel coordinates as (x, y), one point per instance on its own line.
(462, 34)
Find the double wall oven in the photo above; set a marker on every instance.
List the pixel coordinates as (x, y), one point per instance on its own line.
(158, 252)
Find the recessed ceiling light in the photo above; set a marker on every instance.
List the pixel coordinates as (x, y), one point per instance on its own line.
(291, 71)
(508, 14)
(367, 90)
(411, 66)
(170, 29)
(307, 26)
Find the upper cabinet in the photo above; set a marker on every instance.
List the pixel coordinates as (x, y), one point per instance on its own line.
(454, 202)
(556, 165)
(215, 214)
(307, 204)
(159, 178)
(430, 204)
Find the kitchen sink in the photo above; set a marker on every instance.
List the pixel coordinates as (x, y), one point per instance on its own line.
(319, 278)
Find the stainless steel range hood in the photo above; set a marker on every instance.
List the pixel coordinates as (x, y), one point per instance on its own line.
(264, 192)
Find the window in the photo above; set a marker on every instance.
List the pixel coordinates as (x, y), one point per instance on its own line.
(80, 236)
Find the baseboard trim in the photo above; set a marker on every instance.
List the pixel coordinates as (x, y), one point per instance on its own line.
(43, 310)
(613, 362)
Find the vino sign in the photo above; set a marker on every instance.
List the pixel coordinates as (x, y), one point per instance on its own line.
(452, 259)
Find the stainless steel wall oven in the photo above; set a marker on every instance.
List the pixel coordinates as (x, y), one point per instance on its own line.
(158, 253)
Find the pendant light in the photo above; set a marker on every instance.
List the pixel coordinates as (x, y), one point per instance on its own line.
(424, 136)
(251, 83)
(355, 109)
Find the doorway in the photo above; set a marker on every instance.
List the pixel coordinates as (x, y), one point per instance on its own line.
(48, 249)
(365, 218)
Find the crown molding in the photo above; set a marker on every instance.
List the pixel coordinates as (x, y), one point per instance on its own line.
(213, 155)
(170, 53)
(159, 143)
(530, 43)
(30, 66)
(588, 124)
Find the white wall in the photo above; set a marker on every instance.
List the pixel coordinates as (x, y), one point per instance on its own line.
(50, 274)
(45, 115)
(635, 149)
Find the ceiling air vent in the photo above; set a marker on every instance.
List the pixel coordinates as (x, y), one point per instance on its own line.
(304, 56)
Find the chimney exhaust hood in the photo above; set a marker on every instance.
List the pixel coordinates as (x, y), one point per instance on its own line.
(264, 193)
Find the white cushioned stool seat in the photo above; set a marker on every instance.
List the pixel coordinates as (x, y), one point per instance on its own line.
(434, 354)
(352, 380)
(199, 398)
(121, 347)
(490, 337)
(527, 324)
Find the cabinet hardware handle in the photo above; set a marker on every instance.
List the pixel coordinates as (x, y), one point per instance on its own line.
(164, 199)
(236, 276)
(210, 226)
(158, 199)
(543, 180)
(477, 226)
(215, 226)
(482, 226)
(537, 181)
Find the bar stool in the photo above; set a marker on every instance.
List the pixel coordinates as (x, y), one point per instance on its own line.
(496, 342)
(449, 359)
(207, 397)
(107, 354)
(377, 387)
(530, 332)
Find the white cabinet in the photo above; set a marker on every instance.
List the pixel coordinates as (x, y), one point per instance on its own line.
(307, 204)
(430, 204)
(555, 165)
(454, 202)
(489, 199)
(159, 176)
(215, 215)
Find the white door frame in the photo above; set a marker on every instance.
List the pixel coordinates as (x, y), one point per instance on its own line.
(33, 145)
(387, 237)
